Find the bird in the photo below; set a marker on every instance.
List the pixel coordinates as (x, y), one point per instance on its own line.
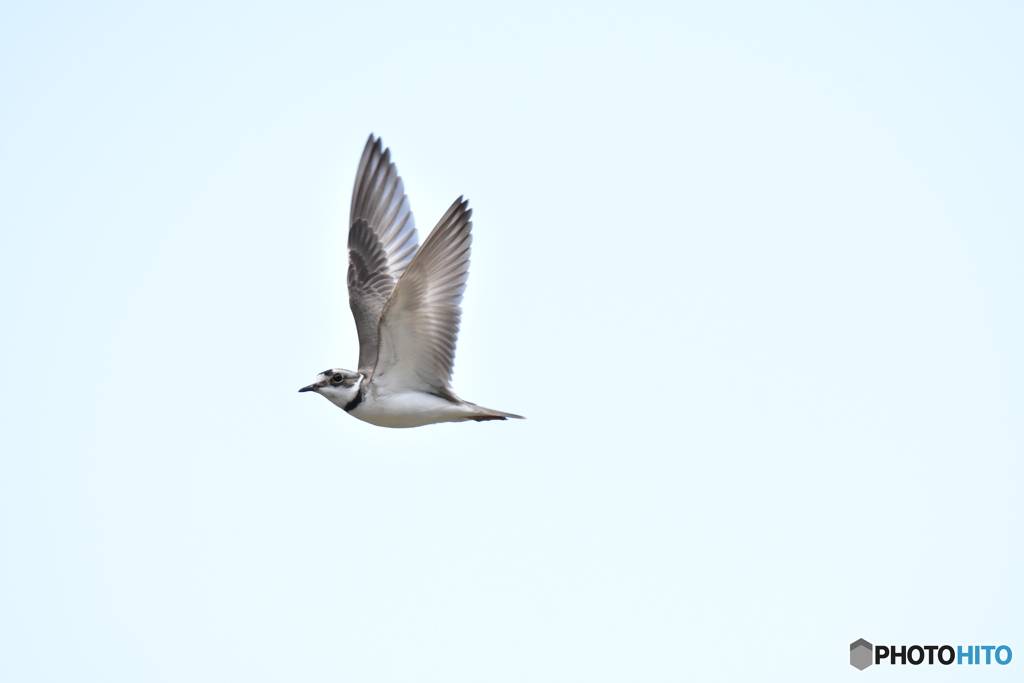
(406, 303)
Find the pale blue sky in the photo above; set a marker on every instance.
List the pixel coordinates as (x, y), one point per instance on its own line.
(754, 275)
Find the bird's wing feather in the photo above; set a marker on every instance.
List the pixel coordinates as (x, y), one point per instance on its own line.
(381, 243)
(420, 324)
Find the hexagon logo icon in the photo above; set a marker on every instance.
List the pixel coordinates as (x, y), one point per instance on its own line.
(860, 654)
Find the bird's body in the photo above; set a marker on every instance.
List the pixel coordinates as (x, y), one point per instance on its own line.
(409, 409)
(405, 301)
(412, 408)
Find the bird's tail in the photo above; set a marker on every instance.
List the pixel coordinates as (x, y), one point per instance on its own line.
(482, 414)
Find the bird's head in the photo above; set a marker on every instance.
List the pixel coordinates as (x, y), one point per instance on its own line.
(338, 386)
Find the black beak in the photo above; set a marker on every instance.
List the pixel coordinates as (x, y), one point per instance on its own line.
(311, 387)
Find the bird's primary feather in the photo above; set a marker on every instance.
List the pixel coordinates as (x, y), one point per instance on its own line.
(382, 241)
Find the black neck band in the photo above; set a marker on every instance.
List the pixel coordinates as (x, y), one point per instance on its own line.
(354, 403)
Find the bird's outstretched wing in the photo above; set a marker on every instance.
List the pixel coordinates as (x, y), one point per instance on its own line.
(381, 243)
(420, 323)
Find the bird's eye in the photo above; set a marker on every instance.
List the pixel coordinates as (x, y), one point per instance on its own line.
(337, 378)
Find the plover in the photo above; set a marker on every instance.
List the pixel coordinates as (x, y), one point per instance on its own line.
(406, 304)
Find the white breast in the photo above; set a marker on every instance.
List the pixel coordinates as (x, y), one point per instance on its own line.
(408, 409)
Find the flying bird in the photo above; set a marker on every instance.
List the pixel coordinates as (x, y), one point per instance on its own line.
(405, 300)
